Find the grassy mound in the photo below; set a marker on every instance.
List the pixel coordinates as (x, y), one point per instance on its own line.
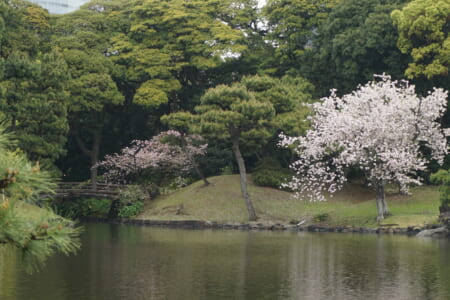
(354, 205)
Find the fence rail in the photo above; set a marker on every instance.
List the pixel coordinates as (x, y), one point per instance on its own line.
(66, 190)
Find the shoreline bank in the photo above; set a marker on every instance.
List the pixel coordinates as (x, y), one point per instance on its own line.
(255, 226)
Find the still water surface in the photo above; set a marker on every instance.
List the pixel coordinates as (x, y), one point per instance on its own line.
(126, 262)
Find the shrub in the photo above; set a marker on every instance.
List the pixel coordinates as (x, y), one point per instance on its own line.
(269, 172)
(130, 201)
(130, 210)
(442, 177)
(321, 217)
(227, 170)
(84, 207)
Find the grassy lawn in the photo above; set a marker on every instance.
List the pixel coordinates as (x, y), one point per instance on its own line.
(354, 205)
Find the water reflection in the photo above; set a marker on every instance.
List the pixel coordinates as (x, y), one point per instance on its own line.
(125, 262)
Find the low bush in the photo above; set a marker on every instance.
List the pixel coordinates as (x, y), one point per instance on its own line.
(84, 207)
(130, 210)
(321, 217)
(130, 203)
(269, 172)
(442, 177)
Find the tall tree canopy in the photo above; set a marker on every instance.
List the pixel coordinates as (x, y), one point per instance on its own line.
(24, 27)
(169, 46)
(82, 38)
(358, 39)
(33, 81)
(293, 27)
(423, 27)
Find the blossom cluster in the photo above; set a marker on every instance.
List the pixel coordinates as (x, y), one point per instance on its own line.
(379, 128)
(167, 150)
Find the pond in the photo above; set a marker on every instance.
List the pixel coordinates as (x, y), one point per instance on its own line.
(127, 262)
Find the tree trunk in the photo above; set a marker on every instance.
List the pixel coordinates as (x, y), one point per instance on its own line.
(94, 156)
(94, 173)
(91, 153)
(243, 179)
(200, 173)
(381, 201)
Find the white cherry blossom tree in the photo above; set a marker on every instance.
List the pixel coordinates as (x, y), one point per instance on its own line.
(379, 129)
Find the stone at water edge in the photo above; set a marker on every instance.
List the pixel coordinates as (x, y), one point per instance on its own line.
(437, 232)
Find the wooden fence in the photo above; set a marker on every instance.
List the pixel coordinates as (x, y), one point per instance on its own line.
(68, 190)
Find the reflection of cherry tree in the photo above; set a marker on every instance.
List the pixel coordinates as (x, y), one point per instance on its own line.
(379, 129)
(168, 151)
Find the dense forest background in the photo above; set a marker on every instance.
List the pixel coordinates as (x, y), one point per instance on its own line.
(76, 87)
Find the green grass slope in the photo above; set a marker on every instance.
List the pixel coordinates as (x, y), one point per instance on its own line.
(354, 205)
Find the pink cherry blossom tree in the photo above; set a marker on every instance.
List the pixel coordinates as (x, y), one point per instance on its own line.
(379, 129)
(169, 150)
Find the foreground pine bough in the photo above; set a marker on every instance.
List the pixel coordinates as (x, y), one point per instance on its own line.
(379, 129)
(37, 231)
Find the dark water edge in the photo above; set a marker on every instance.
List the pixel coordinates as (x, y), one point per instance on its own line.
(135, 262)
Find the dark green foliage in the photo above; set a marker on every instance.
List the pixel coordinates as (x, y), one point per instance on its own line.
(423, 27)
(354, 173)
(34, 102)
(130, 201)
(442, 177)
(83, 39)
(321, 217)
(32, 81)
(254, 109)
(358, 39)
(130, 210)
(269, 172)
(293, 27)
(24, 27)
(170, 46)
(84, 207)
(218, 157)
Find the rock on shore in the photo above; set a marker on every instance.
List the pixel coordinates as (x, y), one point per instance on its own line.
(441, 232)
